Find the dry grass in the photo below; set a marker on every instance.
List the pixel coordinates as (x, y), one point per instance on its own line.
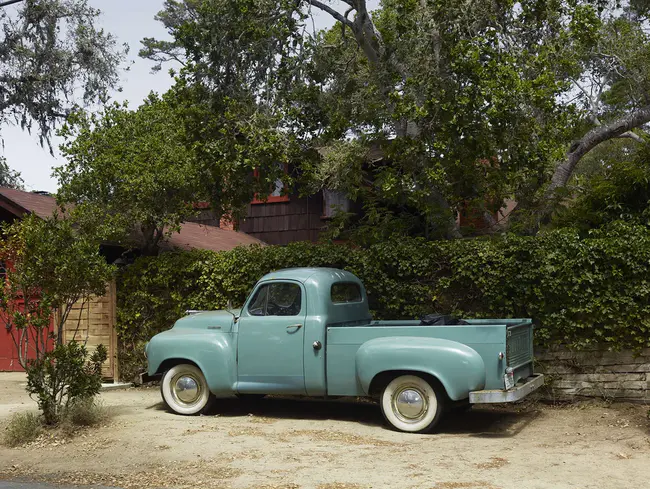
(340, 485)
(339, 437)
(22, 428)
(87, 412)
(494, 463)
(204, 474)
(28, 428)
(277, 486)
(464, 485)
(246, 432)
(262, 420)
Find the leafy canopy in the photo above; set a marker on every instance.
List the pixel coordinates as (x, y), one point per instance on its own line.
(618, 192)
(419, 109)
(52, 55)
(50, 267)
(130, 171)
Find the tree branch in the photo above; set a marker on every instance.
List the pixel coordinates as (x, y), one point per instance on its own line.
(632, 135)
(592, 139)
(331, 11)
(9, 2)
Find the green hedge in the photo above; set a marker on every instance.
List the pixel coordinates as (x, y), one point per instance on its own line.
(579, 291)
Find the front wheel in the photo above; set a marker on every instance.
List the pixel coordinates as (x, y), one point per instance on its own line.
(411, 404)
(185, 390)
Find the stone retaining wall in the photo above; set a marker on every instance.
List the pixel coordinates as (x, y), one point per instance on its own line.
(608, 375)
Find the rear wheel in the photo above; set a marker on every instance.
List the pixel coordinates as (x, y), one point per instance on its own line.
(412, 404)
(185, 390)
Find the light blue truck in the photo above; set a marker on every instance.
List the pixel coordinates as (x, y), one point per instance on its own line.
(309, 332)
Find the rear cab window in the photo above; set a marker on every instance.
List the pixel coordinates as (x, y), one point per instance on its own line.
(345, 293)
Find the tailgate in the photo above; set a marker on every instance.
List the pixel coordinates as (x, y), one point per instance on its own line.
(519, 350)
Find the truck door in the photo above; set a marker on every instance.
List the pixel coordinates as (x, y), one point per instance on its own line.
(271, 336)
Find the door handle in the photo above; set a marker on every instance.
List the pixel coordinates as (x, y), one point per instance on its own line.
(295, 326)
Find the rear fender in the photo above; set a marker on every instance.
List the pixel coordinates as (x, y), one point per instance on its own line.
(213, 353)
(459, 368)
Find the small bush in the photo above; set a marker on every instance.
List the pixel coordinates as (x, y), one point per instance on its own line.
(22, 428)
(63, 376)
(86, 412)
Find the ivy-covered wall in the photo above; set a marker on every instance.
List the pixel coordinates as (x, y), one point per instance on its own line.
(580, 291)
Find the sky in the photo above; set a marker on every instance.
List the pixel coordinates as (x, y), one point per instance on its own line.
(129, 21)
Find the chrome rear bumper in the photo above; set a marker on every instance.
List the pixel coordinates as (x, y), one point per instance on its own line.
(518, 392)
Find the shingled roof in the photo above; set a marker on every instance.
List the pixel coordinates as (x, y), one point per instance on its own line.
(191, 235)
(200, 236)
(19, 202)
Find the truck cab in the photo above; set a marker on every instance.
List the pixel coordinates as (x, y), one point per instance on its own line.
(309, 332)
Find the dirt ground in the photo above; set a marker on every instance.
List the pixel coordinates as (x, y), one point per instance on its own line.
(279, 443)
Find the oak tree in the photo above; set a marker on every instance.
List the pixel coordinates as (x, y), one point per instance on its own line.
(53, 56)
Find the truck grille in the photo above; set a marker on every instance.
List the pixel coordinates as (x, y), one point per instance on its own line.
(519, 345)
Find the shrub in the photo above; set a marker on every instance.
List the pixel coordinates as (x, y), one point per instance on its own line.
(22, 428)
(83, 412)
(579, 290)
(54, 265)
(64, 376)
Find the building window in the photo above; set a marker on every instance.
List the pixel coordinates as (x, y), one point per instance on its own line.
(334, 202)
(278, 193)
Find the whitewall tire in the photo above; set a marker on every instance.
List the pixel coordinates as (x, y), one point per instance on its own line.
(411, 404)
(185, 390)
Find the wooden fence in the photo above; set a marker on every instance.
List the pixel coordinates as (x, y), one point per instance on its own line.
(94, 321)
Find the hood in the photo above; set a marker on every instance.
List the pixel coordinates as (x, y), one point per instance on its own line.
(218, 320)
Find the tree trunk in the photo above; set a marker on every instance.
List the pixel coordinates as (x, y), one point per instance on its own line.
(592, 139)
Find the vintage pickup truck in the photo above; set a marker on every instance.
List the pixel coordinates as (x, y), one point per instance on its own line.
(309, 332)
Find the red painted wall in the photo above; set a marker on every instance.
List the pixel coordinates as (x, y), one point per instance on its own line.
(8, 351)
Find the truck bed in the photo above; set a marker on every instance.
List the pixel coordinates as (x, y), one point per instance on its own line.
(488, 337)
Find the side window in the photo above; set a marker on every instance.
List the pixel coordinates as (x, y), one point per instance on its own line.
(284, 300)
(257, 306)
(277, 299)
(343, 292)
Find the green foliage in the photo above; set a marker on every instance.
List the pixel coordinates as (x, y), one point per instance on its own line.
(22, 429)
(443, 105)
(237, 55)
(130, 170)
(579, 290)
(52, 54)
(619, 191)
(52, 266)
(8, 177)
(63, 376)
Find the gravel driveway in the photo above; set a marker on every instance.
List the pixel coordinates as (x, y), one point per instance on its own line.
(280, 443)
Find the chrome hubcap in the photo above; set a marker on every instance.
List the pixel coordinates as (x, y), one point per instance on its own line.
(410, 404)
(186, 388)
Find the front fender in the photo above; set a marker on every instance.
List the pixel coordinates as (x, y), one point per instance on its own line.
(213, 353)
(459, 368)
